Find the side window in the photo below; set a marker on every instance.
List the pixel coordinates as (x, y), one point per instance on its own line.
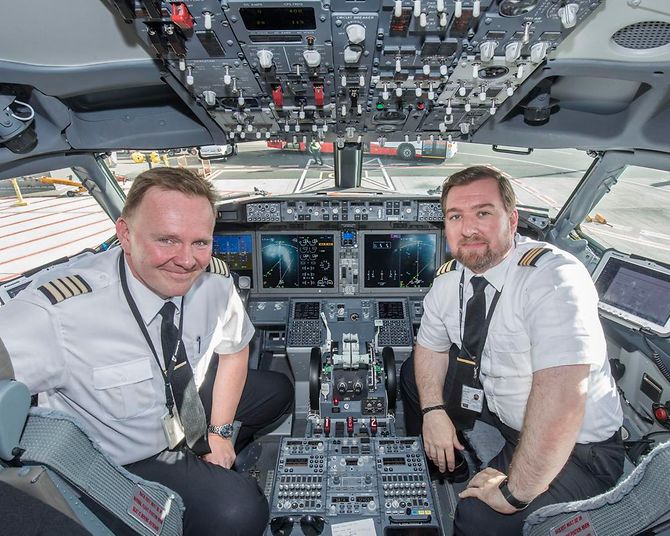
(635, 216)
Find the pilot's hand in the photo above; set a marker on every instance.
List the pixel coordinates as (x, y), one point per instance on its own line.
(440, 440)
(222, 454)
(484, 486)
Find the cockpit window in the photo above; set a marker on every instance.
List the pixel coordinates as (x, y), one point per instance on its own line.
(633, 217)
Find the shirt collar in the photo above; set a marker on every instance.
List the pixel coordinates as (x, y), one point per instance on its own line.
(495, 275)
(148, 302)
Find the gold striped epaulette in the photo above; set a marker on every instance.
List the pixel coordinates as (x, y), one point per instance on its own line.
(531, 256)
(217, 266)
(448, 266)
(65, 287)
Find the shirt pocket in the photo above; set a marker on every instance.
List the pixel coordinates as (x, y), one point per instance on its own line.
(125, 390)
(509, 355)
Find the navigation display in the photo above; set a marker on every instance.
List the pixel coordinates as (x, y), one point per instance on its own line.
(399, 260)
(236, 250)
(297, 261)
(635, 289)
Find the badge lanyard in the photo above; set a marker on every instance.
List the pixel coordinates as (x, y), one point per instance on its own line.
(167, 375)
(487, 322)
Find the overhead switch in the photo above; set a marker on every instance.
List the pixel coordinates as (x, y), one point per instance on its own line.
(265, 58)
(568, 15)
(356, 33)
(512, 51)
(312, 58)
(487, 50)
(538, 52)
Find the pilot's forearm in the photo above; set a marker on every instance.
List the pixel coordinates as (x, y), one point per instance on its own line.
(228, 385)
(553, 418)
(430, 370)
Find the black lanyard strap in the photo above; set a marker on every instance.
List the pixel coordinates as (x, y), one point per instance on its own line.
(167, 375)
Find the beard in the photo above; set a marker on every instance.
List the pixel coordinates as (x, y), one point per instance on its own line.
(481, 261)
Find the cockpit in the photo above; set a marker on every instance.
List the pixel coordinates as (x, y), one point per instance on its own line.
(327, 129)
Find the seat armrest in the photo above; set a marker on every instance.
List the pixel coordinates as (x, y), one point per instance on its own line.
(14, 406)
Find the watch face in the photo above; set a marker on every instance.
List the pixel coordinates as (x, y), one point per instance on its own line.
(227, 430)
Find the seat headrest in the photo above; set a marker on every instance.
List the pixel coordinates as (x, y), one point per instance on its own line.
(6, 369)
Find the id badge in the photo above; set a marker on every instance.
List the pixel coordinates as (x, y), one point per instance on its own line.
(174, 431)
(472, 399)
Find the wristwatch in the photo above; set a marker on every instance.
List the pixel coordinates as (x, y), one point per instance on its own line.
(516, 503)
(224, 430)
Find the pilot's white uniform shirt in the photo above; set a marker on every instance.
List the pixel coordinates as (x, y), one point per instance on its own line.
(88, 355)
(546, 316)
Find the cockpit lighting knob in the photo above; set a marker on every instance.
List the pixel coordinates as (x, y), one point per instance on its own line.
(352, 54)
(265, 58)
(312, 58)
(568, 15)
(538, 51)
(341, 388)
(358, 388)
(355, 33)
(487, 50)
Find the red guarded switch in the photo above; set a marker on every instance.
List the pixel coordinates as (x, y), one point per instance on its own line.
(181, 16)
(318, 94)
(278, 96)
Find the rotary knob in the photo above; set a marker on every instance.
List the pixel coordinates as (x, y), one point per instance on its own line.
(265, 58)
(355, 33)
(312, 58)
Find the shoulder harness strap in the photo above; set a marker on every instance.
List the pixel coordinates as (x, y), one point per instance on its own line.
(63, 288)
(448, 266)
(217, 266)
(531, 256)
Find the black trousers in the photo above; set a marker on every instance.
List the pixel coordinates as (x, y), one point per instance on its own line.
(218, 500)
(590, 470)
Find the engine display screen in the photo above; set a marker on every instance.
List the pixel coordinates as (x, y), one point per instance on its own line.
(302, 261)
(278, 18)
(399, 260)
(236, 250)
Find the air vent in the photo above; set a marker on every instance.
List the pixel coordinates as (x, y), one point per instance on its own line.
(643, 35)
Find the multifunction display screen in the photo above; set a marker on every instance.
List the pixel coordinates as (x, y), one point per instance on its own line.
(301, 261)
(394, 260)
(278, 18)
(635, 289)
(235, 250)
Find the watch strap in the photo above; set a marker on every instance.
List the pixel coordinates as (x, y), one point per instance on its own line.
(511, 499)
(433, 408)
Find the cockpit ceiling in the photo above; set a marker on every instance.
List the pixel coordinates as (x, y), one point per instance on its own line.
(96, 82)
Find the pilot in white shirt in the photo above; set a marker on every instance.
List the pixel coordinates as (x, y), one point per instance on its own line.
(93, 345)
(531, 361)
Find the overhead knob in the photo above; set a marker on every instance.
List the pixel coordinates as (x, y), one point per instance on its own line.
(487, 49)
(417, 8)
(352, 54)
(210, 97)
(568, 15)
(341, 388)
(312, 58)
(458, 9)
(423, 20)
(476, 8)
(443, 19)
(398, 65)
(443, 70)
(397, 8)
(426, 69)
(538, 51)
(398, 91)
(358, 388)
(265, 58)
(513, 51)
(440, 6)
(356, 33)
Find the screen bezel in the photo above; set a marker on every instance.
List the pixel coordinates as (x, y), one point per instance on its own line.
(395, 291)
(258, 276)
(622, 316)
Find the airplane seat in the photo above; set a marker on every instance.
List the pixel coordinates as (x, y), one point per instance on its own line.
(35, 441)
(637, 504)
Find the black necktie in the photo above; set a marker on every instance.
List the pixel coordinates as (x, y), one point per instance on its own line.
(475, 319)
(186, 397)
